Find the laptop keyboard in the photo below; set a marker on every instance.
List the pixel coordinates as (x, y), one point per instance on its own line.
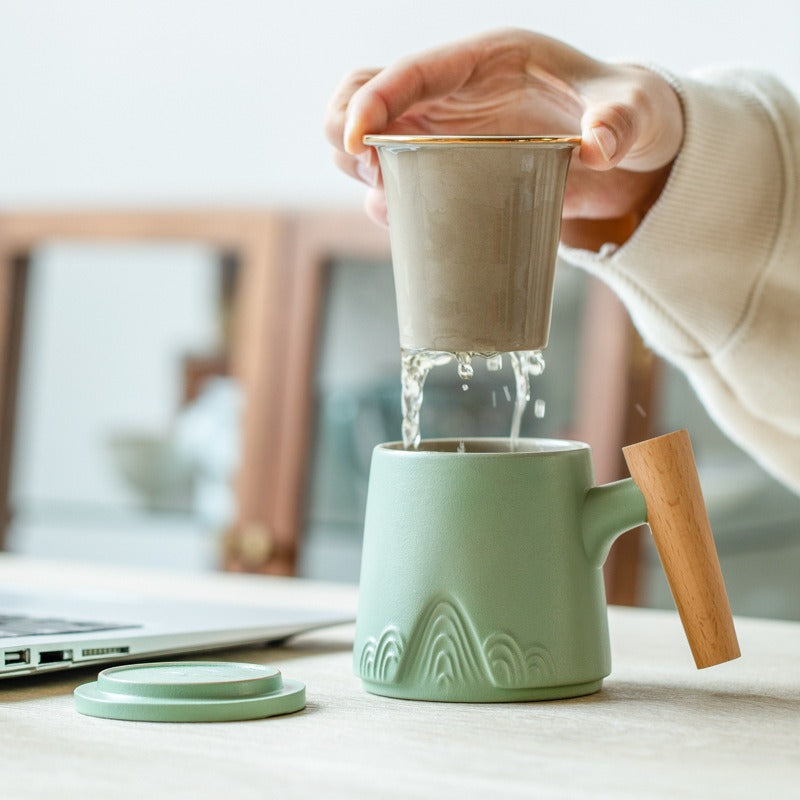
(19, 625)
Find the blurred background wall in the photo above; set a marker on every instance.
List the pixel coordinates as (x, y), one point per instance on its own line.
(198, 101)
(219, 104)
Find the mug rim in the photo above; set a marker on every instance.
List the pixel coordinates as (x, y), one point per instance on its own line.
(378, 139)
(531, 446)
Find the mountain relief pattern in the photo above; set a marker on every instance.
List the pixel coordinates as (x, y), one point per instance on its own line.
(444, 649)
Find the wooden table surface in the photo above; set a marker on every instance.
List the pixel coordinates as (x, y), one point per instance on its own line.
(659, 728)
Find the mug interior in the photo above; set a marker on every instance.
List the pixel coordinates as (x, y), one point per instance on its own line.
(489, 446)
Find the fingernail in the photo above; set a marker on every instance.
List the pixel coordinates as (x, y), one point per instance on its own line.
(348, 137)
(606, 141)
(352, 135)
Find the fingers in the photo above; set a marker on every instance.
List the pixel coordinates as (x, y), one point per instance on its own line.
(633, 119)
(375, 206)
(391, 92)
(336, 112)
(629, 117)
(609, 194)
(363, 167)
(612, 119)
(608, 133)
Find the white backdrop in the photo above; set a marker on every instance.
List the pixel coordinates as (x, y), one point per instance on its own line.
(201, 102)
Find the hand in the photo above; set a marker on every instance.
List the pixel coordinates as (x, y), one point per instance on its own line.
(514, 82)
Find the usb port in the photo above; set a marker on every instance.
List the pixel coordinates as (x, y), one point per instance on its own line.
(54, 656)
(16, 657)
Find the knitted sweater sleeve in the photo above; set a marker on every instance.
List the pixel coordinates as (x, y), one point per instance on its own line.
(711, 277)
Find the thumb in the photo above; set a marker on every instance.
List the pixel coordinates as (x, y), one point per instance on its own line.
(608, 134)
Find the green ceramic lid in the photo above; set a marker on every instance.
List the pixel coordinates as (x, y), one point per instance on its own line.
(190, 691)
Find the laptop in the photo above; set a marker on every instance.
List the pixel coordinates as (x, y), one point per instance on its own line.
(42, 632)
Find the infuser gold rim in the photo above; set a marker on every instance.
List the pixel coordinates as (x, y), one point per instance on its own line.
(374, 139)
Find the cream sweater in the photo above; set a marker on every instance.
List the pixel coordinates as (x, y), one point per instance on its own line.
(711, 277)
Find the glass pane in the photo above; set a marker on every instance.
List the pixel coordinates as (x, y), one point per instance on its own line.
(96, 471)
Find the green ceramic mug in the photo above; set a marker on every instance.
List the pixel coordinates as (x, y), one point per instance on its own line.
(481, 575)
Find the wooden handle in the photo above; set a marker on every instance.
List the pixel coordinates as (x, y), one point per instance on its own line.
(664, 469)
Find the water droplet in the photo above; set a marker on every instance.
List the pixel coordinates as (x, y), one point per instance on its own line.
(538, 408)
(494, 363)
(462, 447)
(494, 399)
(507, 393)
(465, 368)
(464, 387)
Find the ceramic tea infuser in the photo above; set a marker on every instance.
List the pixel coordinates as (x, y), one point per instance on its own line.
(474, 223)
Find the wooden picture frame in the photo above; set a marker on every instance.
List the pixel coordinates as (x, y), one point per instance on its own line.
(282, 260)
(281, 257)
(272, 484)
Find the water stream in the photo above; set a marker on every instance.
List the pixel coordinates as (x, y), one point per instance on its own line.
(417, 364)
